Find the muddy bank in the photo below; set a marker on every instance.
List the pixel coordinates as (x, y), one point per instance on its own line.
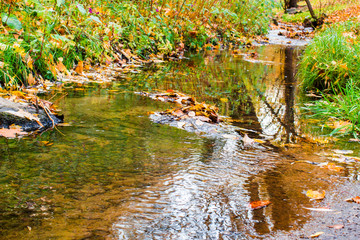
(27, 115)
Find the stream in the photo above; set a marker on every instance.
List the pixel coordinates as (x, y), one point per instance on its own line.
(112, 173)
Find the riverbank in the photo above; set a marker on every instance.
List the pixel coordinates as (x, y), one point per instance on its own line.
(88, 34)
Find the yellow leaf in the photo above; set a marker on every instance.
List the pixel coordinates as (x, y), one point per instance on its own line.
(315, 235)
(224, 100)
(315, 194)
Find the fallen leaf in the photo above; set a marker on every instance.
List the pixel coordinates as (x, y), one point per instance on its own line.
(315, 235)
(31, 80)
(320, 209)
(178, 113)
(333, 167)
(46, 143)
(80, 67)
(191, 114)
(248, 141)
(259, 204)
(11, 133)
(337, 226)
(356, 199)
(315, 194)
(61, 67)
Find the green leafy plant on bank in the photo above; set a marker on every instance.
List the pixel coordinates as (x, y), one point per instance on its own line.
(36, 35)
(333, 58)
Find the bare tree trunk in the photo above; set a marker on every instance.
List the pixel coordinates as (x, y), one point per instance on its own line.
(292, 3)
(311, 9)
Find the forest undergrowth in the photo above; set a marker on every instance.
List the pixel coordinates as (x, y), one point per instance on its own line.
(40, 39)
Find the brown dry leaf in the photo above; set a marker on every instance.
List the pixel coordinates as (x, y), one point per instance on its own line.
(259, 204)
(80, 68)
(337, 226)
(315, 194)
(11, 133)
(315, 235)
(31, 80)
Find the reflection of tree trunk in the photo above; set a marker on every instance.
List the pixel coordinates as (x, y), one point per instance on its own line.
(277, 194)
(261, 224)
(289, 79)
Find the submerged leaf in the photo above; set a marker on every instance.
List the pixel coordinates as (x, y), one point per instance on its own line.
(259, 204)
(315, 194)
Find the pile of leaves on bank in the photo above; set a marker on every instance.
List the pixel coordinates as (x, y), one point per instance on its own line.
(21, 113)
(190, 107)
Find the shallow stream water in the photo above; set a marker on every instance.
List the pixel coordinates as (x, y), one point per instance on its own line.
(114, 174)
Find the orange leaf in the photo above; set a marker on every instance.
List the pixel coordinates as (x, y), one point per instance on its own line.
(315, 194)
(356, 199)
(80, 68)
(61, 67)
(11, 133)
(259, 204)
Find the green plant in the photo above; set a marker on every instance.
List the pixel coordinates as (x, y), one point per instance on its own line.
(332, 58)
(344, 107)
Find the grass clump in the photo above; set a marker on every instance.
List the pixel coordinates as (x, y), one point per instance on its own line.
(340, 112)
(333, 58)
(39, 38)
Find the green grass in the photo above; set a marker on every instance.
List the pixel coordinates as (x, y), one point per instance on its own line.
(343, 107)
(35, 35)
(332, 58)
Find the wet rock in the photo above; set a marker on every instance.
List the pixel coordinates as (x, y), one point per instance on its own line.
(26, 115)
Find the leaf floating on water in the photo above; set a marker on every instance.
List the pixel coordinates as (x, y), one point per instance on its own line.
(315, 194)
(337, 226)
(315, 235)
(259, 204)
(320, 209)
(356, 199)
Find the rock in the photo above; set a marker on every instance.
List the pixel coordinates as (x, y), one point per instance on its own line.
(25, 115)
